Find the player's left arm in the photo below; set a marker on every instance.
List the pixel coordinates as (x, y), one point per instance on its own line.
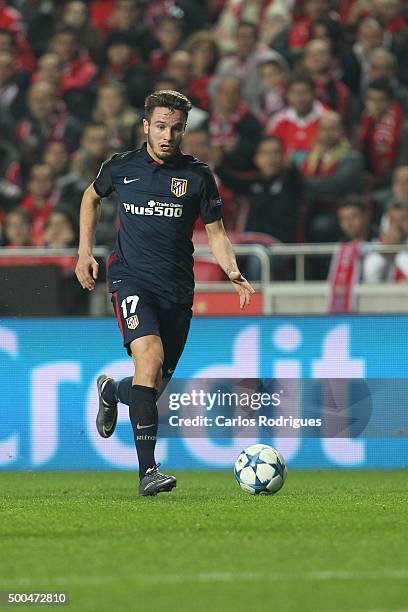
(223, 252)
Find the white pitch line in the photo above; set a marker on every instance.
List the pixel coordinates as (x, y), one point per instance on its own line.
(210, 577)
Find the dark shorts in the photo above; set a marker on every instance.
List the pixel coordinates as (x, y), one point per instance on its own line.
(142, 313)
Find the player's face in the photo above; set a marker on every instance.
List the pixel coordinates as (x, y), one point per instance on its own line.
(164, 132)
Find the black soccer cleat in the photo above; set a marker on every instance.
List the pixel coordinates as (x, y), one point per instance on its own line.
(154, 482)
(107, 413)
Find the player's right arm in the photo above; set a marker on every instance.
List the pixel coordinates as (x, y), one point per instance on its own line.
(87, 267)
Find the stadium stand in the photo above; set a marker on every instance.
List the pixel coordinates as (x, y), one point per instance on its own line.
(296, 107)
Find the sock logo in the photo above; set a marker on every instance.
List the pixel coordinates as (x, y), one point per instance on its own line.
(144, 426)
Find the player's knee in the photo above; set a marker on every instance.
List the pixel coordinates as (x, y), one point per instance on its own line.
(149, 364)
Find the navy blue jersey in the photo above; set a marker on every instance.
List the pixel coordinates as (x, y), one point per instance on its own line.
(158, 207)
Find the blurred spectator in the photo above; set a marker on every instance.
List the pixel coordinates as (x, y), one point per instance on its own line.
(383, 65)
(85, 165)
(169, 34)
(383, 137)
(57, 157)
(380, 267)
(93, 151)
(370, 36)
(346, 268)
(179, 68)
(275, 192)
(233, 128)
(399, 186)
(301, 31)
(353, 219)
(114, 111)
(194, 13)
(297, 126)
(390, 14)
(61, 230)
(332, 168)
(397, 192)
(275, 196)
(319, 63)
(95, 148)
(39, 17)
(75, 16)
(49, 69)
(10, 18)
(269, 16)
(17, 229)
(8, 86)
(124, 65)
(204, 53)
(243, 62)
(197, 143)
(128, 16)
(46, 119)
(40, 199)
(15, 43)
(331, 31)
(270, 96)
(78, 71)
(100, 13)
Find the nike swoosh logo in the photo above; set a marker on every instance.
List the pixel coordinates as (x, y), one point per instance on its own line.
(126, 180)
(144, 426)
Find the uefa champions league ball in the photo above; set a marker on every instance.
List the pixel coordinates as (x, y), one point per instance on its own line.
(260, 470)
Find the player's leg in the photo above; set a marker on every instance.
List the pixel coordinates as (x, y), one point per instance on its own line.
(147, 354)
(174, 325)
(135, 313)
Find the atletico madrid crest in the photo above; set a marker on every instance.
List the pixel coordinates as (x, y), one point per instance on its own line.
(132, 322)
(179, 186)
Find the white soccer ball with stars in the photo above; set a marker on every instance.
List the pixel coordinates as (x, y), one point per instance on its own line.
(260, 470)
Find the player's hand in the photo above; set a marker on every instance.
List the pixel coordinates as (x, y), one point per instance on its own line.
(242, 287)
(87, 271)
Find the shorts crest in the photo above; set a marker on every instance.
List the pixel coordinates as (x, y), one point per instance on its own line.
(132, 322)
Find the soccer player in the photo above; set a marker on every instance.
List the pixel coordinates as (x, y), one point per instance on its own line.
(161, 192)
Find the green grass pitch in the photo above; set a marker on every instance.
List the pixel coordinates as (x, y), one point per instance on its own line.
(329, 541)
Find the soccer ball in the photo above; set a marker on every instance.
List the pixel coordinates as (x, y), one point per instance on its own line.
(260, 470)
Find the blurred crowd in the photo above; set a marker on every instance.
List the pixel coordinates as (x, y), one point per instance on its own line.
(299, 107)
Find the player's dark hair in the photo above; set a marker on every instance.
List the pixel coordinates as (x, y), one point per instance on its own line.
(167, 99)
(383, 85)
(355, 200)
(303, 79)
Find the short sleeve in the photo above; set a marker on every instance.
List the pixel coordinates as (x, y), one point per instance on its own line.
(210, 203)
(103, 182)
